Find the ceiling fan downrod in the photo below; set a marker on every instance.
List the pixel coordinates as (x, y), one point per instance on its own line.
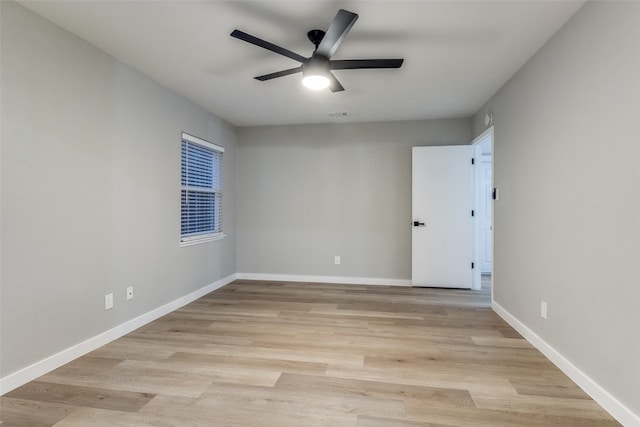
(315, 37)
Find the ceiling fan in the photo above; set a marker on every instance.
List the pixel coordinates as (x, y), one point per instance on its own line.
(316, 70)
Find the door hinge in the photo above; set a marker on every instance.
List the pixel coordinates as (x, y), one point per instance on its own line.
(473, 161)
(473, 213)
(473, 265)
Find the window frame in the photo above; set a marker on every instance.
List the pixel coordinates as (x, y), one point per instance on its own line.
(193, 239)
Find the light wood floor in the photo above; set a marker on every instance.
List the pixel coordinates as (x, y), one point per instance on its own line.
(303, 354)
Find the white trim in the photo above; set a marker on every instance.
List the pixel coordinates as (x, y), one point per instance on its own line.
(204, 143)
(612, 405)
(50, 363)
(324, 279)
(480, 138)
(202, 238)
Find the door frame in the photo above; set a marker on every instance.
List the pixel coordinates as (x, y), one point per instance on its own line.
(486, 137)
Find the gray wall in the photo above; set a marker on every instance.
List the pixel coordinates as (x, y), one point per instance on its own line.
(90, 191)
(310, 192)
(567, 226)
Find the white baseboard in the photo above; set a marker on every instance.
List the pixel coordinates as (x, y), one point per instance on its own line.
(612, 405)
(41, 367)
(324, 279)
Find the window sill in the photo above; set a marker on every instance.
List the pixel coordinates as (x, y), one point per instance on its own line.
(195, 240)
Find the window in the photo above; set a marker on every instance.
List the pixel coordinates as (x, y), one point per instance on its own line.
(201, 185)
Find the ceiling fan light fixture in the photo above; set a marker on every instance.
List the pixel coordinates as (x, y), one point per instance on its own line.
(315, 73)
(316, 81)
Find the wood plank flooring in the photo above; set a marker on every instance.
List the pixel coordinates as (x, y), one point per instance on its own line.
(304, 354)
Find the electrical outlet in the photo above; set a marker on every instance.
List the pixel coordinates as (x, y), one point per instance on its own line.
(129, 293)
(336, 259)
(543, 309)
(108, 301)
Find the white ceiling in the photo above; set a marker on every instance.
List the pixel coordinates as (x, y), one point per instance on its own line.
(457, 53)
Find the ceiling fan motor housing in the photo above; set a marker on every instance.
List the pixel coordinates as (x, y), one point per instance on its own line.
(316, 65)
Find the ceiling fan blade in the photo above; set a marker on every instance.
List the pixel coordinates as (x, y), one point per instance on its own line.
(336, 33)
(266, 45)
(279, 74)
(335, 85)
(354, 64)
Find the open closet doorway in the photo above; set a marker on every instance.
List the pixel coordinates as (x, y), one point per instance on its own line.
(483, 147)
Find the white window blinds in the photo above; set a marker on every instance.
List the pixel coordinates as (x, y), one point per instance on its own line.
(201, 185)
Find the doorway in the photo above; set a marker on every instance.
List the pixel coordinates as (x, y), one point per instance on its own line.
(452, 195)
(483, 154)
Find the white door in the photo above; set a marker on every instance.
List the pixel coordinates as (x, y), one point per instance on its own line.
(443, 228)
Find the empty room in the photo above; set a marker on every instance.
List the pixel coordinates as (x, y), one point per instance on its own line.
(319, 213)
